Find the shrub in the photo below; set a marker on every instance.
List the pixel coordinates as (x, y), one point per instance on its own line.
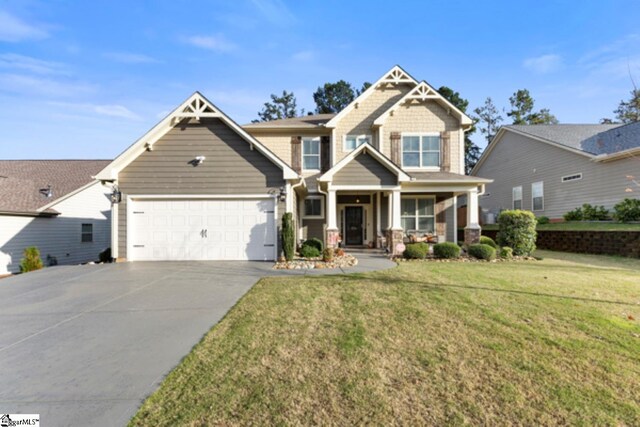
(486, 240)
(327, 255)
(627, 210)
(446, 250)
(574, 215)
(543, 220)
(339, 252)
(105, 256)
(482, 251)
(506, 252)
(517, 229)
(416, 251)
(31, 260)
(594, 213)
(316, 243)
(288, 236)
(308, 251)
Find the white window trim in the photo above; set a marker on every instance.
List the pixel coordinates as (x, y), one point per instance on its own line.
(435, 225)
(304, 214)
(532, 207)
(82, 233)
(420, 168)
(317, 138)
(513, 197)
(344, 141)
(578, 175)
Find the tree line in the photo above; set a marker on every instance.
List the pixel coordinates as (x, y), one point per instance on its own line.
(487, 118)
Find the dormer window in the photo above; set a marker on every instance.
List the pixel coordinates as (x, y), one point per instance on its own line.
(420, 150)
(351, 142)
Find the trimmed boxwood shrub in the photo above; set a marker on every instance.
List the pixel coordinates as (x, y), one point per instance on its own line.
(594, 213)
(315, 242)
(506, 252)
(517, 229)
(482, 251)
(543, 220)
(486, 240)
(446, 250)
(308, 251)
(627, 210)
(327, 254)
(574, 215)
(416, 251)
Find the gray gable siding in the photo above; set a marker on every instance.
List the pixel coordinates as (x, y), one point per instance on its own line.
(231, 167)
(365, 170)
(519, 160)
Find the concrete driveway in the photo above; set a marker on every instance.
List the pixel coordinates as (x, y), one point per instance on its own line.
(85, 345)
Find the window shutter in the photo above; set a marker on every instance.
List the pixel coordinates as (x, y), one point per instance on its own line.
(395, 148)
(445, 151)
(325, 153)
(296, 153)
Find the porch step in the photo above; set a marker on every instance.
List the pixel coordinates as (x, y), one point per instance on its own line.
(364, 251)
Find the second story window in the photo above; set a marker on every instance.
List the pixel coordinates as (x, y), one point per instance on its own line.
(516, 197)
(420, 151)
(351, 142)
(311, 153)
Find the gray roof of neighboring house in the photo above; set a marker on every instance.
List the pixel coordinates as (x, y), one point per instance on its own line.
(23, 183)
(590, 138)
(445, 176)
(304, 122)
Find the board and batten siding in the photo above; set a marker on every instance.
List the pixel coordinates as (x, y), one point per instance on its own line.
(518, 160)
(230, 167)
(364, 170)
(59, 236)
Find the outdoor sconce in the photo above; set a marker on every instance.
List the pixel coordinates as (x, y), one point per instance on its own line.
(116, 196)
(197, 161)
(283, 194)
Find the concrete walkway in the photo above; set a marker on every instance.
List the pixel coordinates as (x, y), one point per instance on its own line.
(85, 345)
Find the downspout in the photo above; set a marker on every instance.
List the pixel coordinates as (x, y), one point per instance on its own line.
(326, 206)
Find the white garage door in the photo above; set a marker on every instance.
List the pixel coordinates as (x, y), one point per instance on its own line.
(235, 229)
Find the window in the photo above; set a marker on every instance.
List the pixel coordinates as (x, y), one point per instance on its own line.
(311, 153)
(417, 213)
(517, 197)
(537, 196)
(351, 142)
(420, 151)
(574, 177)
(86, 233)
(313, 207)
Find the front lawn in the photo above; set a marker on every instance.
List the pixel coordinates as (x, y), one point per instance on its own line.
(581, 226)
(537, 342)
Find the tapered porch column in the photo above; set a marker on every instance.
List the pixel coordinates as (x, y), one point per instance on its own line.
(472, 230)
(396, 234)
(333, 233)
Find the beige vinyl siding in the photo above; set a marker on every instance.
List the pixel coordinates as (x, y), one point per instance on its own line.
(365, 170)
(425, 117)
(313, 228)
(59, 236)
(519, 160)
(231, 167)
(359, 120)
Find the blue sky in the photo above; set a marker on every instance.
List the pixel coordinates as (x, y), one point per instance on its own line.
(84, 79)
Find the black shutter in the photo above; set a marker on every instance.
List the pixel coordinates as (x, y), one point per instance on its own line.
(325, 153)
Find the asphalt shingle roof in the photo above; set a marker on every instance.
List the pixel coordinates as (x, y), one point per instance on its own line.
(23, 183)
(304, 122)
(590, 138)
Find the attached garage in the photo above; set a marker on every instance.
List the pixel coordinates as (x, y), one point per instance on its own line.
(198, 187)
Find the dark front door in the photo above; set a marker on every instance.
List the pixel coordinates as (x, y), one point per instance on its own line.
(353, 225)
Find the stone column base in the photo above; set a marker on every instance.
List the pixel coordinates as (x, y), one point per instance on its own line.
(393, 238)
(472, 235)
(332, 238)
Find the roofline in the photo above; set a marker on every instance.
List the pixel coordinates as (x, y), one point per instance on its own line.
(454, 181)
(29, 213)
(328, 175)
(629, 152)
(68, 195)
(287, 128)
(111, 171)
(364, 95)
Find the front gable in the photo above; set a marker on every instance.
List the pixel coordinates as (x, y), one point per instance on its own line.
(365, 170)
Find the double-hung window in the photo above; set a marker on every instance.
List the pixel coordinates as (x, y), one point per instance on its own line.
(351, 142)
(313, 207)
(86, 234)
(537, 196)
(516, 194)
(418, 213)
(421, 151)
(311, 153)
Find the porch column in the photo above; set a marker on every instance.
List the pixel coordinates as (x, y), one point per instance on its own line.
(378, 223)
(395, 232)
(332, 235)
(472, 230)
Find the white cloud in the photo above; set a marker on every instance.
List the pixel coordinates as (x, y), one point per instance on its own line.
(13, 29)
(28, 63)
(130, 58)
(543, 64)
(216, 43)
(42, 86)
(110, 110)
(275, 11)
(303, 55)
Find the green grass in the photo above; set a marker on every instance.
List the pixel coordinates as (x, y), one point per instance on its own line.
(530, 343)
(580, 226)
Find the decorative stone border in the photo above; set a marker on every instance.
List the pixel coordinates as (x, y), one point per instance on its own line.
(317, 263)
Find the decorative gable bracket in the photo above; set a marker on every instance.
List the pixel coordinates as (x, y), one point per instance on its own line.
(196, 108)
(396, 76)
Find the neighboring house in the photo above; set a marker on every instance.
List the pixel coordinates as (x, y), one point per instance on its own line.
(198, 186)
(55, 205)
(552, 169)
